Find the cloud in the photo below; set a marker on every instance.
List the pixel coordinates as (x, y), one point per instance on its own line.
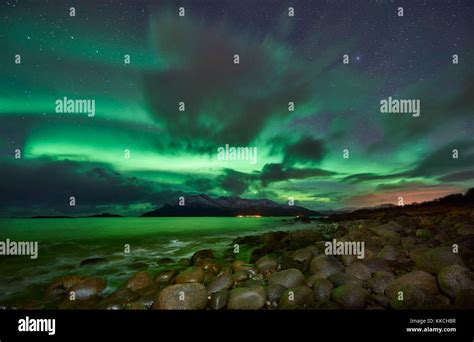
(306, 150)
(224, 102)
(461, 176)
(48, 184)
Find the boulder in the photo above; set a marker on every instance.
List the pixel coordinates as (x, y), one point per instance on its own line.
(288, 278)
(435, 259)
(189, 296)
(247, 298)
(325, 265)
(139, 281)
(350, 297)
(193, 274)
(455, 278)
(296, 298)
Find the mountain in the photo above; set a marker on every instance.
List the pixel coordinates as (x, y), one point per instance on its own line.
(443, 205)
(203, 205)
(347, 210)
(105, 215)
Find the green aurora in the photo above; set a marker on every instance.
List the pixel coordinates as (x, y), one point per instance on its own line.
(190, 59)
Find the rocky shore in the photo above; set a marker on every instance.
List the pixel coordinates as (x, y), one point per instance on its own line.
(410, 262)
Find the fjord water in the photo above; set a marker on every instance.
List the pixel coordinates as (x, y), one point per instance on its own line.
(64, 243)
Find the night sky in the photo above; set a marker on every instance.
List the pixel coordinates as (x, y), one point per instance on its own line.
(190, 59)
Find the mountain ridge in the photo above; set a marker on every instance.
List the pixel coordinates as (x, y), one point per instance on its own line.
(204, 205)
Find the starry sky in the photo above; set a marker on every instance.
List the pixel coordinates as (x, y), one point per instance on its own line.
(283, 59)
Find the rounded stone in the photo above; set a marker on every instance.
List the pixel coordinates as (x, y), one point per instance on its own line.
(88, 288)
(287, 278)
(350, 297)
(359, 270)
(322, 289)
(247, 298)
(434, 260)
(222, 281)
(164, 276)
(219, 299)
(189, 296)
(139, 281)
(192, 274)
(266, 264)
(455, 278)
(418, 279)
(325, 265)
(296, 298)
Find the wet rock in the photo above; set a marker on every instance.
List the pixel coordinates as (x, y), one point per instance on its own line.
(147, 295)
(219, 299)
(455, 278)
(252, 283)
(192, 274)
(223, 281)
(379, 281)
(434, 260)
(359, 270)
(266, 264)
(122, 295)
(419, 279)
(413, 297)
(322, 289)
(200, 255)
(184, 262)
(240, 265)
(380, 299)
(93, 261)
(164, 261)
(389, 232)
(288, 278)
(136, 306)
(325, 265)
(311, 279)
(341, 278)
(165, 276)
(62, 285)
(209, 265)
(239, 277)
(88, 288)
(408, 242)
(247, 298)
(275, 291)
(391, 226)
(296, 298)
(467, 229)
(348, 259)
(189, 296)
(301, 239)
(302, 255)
(208, 277)
(350, 296)
(416, 252)
(424, 234)
(138, 281)
(390, 253)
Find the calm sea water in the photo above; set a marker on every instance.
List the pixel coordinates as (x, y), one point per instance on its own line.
(64, 243)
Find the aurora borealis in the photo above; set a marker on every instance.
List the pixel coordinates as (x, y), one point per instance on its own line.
(189, 59)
